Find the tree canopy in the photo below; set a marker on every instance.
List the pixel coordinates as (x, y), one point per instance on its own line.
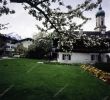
(54, 18)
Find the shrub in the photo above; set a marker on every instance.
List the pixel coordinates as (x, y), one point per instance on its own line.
(103, 66)
(97, 72)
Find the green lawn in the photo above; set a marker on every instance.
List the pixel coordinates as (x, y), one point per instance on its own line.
(25, 79)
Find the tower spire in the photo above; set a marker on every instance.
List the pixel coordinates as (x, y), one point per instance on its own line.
(100, 7)
(100, 20)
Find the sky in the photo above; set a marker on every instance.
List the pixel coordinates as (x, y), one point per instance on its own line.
(23, 24)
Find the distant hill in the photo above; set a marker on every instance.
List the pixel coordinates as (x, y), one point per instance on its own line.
(14, 36)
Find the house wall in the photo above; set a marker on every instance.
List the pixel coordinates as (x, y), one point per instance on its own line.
(83, 57)
(78, 58)
(10, 47)
(26, 44)
(104, 57)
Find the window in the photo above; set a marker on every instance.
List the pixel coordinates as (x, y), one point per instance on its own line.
(66, 57)
(69, 57)
(63, 57)
(96, 23)
(7, 46)
(12, 47)
(108, 58)
(92, 57)
(102, 22)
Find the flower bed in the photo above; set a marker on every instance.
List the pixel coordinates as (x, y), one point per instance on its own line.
(104, 76)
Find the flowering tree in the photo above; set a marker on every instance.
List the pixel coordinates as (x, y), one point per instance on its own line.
(41, 48)
(53, 18)
(20, 49)
(5, 10)
(86, 44)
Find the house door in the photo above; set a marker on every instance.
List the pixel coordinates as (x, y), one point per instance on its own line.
(99, 58)
(108, 58)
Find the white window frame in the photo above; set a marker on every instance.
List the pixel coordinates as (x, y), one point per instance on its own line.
(66, 56)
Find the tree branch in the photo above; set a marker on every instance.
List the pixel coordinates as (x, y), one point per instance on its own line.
(32, 5)
(41, 2)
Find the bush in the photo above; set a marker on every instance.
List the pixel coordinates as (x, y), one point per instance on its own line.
(38, 53)
(103, 66)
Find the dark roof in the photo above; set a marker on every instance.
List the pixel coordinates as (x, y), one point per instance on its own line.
(26, 39)
(100, 12)
(94, 33)
(88, 33)
(7, 38)
(87, 50)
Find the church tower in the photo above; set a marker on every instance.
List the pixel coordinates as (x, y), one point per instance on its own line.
(100, 20)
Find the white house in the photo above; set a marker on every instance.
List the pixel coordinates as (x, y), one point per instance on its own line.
(85, 58)
(10, 47)
(26, 42)
(10, 44)
(90, 56)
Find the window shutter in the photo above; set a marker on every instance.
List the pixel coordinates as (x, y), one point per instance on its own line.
(63, 57)
(69, 57)
(92, 57)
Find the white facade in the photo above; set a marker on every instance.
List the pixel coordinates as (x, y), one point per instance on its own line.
(85, 58)
(106, 57)
(100, 20)
(10, 47)
(26, 43)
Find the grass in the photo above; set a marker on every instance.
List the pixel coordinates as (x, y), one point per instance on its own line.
(25, 79)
